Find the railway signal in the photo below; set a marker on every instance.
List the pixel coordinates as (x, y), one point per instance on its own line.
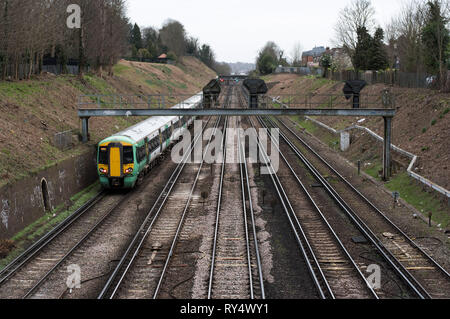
(354, 88)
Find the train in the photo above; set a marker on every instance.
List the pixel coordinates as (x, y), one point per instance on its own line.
(126, 157)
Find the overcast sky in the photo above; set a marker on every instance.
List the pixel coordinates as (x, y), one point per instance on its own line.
(238, 29)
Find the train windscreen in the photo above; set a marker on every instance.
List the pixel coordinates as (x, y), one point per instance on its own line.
(128, 157)
(103, 156)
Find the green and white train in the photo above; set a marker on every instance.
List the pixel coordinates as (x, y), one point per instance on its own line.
(126, 157)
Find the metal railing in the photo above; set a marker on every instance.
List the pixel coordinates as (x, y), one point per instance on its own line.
(121, 101)
(326, 101)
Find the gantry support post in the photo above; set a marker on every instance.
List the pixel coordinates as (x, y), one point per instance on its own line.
(387, 148)
(85, 129)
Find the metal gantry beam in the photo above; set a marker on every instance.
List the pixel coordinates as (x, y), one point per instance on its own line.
(387, 114)
(87, 113)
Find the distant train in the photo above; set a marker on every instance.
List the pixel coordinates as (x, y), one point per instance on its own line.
(124, 158)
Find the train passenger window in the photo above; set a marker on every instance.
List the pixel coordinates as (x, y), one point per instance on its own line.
(154, 144)
(141, 154)
(103, 156)
(166, 134)
(128, 157)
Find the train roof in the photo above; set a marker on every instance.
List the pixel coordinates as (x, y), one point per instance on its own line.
(141, 130)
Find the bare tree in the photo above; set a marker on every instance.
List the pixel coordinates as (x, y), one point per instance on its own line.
(359, 14)
(30, 30)
(404, 36)
(173, 36)
(296, 54)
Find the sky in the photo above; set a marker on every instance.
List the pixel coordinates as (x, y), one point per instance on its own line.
(238, 29)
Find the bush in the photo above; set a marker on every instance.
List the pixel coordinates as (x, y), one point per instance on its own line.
(5, 247)
(172, 56)
(144, 54)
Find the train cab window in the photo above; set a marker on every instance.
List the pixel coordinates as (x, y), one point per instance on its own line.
(103, 156)
(128, 157)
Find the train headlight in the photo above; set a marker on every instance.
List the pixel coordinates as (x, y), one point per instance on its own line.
(129, 170)
(103, 171)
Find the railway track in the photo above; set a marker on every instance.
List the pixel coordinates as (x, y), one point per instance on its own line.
(333, 270)
(236, 271)
(423, 275)
(29, 274)
(142, 270)
(26, 274)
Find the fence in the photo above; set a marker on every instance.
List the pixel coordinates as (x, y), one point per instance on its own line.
(23, 70)
(330, 101)
(63, 140)
(300, 70)
(397, 78)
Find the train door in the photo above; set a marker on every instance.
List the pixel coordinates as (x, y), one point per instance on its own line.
(161, 139)
(147, 150)
(115, 160)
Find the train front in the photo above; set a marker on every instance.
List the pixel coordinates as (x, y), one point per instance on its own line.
(116, 164)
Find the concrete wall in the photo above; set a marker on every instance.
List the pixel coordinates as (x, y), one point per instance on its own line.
(22, 203)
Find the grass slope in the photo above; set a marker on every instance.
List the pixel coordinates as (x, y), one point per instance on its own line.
(32, 112)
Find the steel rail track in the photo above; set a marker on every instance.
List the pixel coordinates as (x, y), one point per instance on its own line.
(117, 277)
(245, 184)
(317, 275)
(76, 246)
(183, 217)
(175, 240)
(397, 265)
(126, 263)
(219, 203)
(218, 222)
(325, 226)
(43, 242)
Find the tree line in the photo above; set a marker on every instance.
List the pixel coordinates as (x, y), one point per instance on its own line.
(172, 40)
(417, 40)
(34, 32)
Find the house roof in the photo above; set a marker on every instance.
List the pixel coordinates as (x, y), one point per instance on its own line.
(163, 56)
(317, 51)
